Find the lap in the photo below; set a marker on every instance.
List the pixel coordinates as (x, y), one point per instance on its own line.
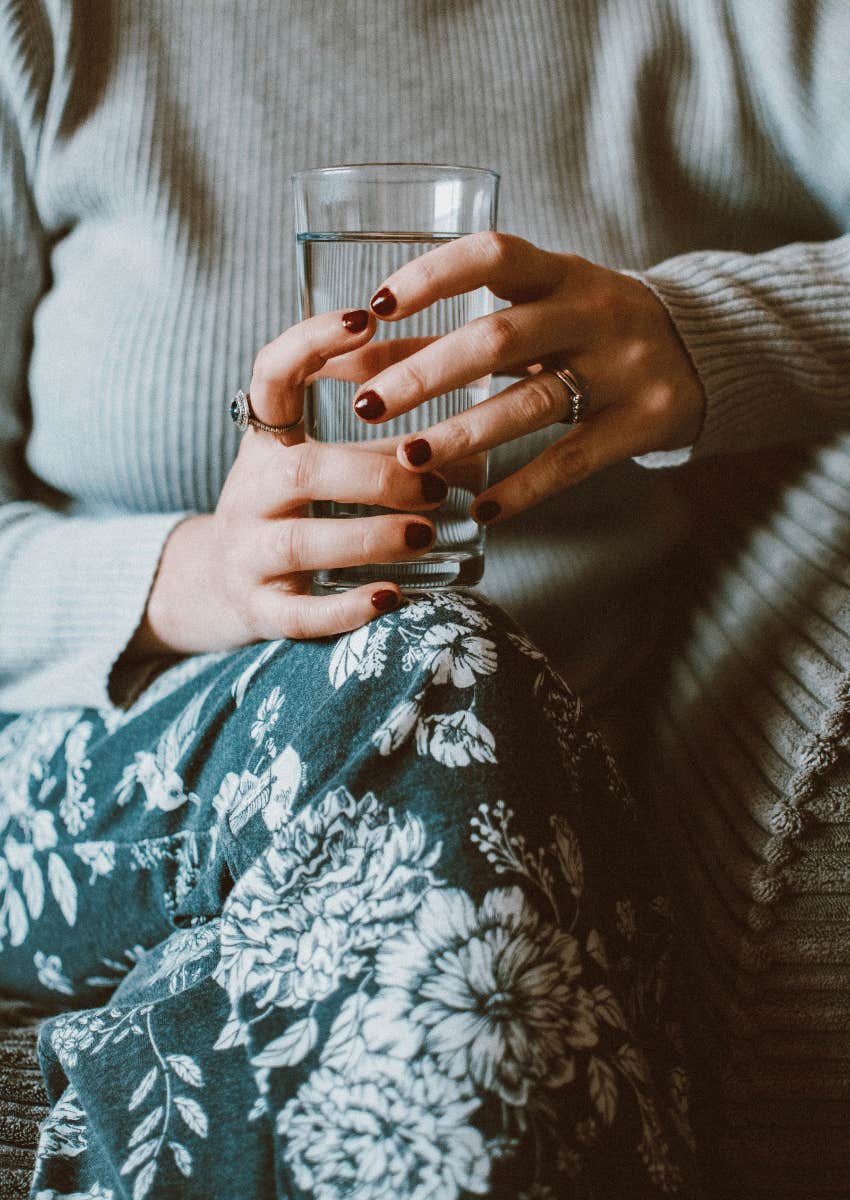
(399, 875)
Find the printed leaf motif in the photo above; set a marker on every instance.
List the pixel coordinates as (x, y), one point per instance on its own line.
(347, 655)
(187, 1069)
(632, 1062)
(569, 855)
(291, 1047)
(241, 685)
(596, 949)
(146, 1126)
(144, 1179)
(17, 915)
(341, 1045)
(32, 885)
(143, 1088)
(140, 1154)
(192, 1113)
(234, 1033)
(603, 1088)
(607, 1007)
(63, 887)
(182, 1158)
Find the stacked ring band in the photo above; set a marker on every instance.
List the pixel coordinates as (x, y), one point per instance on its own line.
(579, 399)
(243, 415)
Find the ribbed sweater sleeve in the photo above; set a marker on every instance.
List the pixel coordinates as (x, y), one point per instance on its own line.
(72, 590)
(769, 335)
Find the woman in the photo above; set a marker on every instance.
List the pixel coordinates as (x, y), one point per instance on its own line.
(342, 911)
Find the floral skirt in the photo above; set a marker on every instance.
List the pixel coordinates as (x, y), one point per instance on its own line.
(370, 918)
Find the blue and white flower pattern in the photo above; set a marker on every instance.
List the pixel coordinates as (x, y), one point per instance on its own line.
(412, 1032)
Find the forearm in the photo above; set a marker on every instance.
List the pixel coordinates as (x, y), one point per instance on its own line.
(769, 335)
(72, 592)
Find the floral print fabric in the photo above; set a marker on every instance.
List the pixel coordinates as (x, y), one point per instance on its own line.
(361, 919)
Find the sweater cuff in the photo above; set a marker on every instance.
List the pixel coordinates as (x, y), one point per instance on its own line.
(717, 302)
(75, 593)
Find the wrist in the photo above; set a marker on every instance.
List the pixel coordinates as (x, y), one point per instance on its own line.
(181, 590)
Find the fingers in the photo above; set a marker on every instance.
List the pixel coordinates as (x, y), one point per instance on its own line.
(605, 438)
(282, 614)
(488, 344)
(290, 478)
(509, 266)
(359, 365)
(311, 543)
(282, 366)
(522, 408)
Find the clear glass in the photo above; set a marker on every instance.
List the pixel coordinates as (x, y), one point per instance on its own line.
(355, 225)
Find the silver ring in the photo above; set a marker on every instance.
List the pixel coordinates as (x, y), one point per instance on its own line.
(243, 415)
(579, 397)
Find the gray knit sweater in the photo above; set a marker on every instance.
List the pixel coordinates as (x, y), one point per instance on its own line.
(146, 254)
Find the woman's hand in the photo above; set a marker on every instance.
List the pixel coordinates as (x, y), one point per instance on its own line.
(644, 394)
(243, 573)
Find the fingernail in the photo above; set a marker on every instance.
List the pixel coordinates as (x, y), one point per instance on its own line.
(385, 600)
(370, 406)
(418, 452)
(487, 510)
(418, 536)
(434, 487)
(383, 302)
(356, 320)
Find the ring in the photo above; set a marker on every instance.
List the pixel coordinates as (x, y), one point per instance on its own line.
(579, 397)
(243, 415)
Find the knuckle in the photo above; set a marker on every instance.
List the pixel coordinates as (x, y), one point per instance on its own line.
(263, 363)
(423, 271)
(498, 335)
(537, 401)
(289, 549)
(571, 461)
(386, 474)
(299, 468)
(495, 248)
(413, 382)
(296, 623)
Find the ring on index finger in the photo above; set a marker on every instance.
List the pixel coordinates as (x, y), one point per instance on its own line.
(243, 415)
(579, 395)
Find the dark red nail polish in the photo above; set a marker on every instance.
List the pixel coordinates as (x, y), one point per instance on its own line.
(434, 488)
(370, 406)
(385, 600)
(487, 510)
(418, 452)
(356, 320)
(383, 302)
(418, 536)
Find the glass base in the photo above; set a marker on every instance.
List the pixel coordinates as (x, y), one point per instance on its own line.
(438, 571)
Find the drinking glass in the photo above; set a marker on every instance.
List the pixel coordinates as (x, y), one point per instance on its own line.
(355, 225)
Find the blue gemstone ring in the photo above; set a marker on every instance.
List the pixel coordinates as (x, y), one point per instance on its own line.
(243, 415)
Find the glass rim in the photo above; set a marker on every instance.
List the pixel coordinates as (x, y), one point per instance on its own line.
(457, 168)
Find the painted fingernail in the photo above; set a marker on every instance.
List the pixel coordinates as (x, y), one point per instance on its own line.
(356, 320)
(487, 510)
(383, 302)
(434, 488)
(418, 452)
(417, 537)
(370, 406)
(385, 600)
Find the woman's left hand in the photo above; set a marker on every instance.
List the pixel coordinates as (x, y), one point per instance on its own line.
(643, 392)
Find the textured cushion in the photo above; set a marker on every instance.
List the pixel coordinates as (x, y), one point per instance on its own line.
(23, 1104)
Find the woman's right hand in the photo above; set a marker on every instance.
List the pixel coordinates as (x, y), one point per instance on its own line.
(243, 573)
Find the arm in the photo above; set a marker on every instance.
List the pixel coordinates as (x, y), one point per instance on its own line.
(769, 335)
(72, 590)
